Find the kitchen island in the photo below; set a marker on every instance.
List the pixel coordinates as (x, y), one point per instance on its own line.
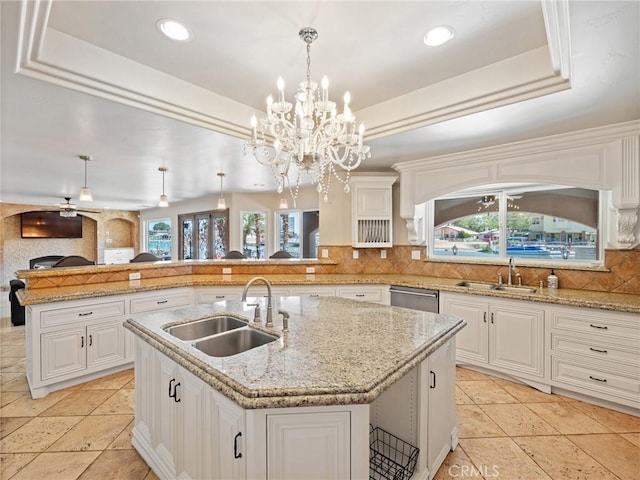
(303, 405)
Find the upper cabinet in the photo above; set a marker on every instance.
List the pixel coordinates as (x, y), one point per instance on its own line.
(372, 219)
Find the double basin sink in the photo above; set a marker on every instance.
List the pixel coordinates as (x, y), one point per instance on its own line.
(499, 288)
(220, 336)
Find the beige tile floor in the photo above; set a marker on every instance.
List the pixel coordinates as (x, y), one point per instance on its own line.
(506, 430)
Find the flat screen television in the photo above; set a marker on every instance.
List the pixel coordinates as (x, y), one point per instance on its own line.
(50, 225)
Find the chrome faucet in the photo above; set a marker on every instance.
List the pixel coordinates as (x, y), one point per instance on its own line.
(512, 265)
(269, 303)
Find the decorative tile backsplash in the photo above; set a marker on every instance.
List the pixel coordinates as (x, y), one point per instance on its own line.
(622, 275)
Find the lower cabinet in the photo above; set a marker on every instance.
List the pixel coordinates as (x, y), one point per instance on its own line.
(183, 428)
(300, 443)
(74, 350)
(505, 335)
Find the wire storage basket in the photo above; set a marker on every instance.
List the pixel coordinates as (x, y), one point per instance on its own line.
(390, 458)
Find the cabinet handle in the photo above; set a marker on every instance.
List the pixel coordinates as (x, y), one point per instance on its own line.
(313, 295)
(601, 327)
(171, 387)
(85, 314)
(597, 350)
(236, 454)
(220, 296)
(433, 379)
(491, 317)
(484, 317)
(82, 341)
(175, 392)
(90, 340)
(360, 294)
(603, 380)
(160, 302)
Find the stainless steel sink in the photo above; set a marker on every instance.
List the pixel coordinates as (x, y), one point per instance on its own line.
(205, 328)
(476, 285)
(233, 342)
(512, 289)
(500, 288)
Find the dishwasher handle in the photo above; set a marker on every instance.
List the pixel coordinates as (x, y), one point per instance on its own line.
(418, 294)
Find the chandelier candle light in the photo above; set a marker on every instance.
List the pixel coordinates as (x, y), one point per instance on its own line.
(314, 138)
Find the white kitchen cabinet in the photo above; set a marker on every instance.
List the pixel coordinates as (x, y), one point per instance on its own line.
(308, 445)
(63, 352)
(372, 207)
(217, 294)
(228, 425)
(419, 409)
(595, 353)
(118, 255)
(441, 418)
(183, 428)
(72, 342)
(505, 335)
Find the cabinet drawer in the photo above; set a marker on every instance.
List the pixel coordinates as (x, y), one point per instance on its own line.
(218, 294)
(596, 349)
(61, 316)
(605, 324)
(160, 302)
(366, 294)
(314, 291)
(621, 383)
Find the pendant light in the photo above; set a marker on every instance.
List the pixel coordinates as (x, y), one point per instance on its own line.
(284, 204)
(222, 205)
(163, 198)
(85, 193)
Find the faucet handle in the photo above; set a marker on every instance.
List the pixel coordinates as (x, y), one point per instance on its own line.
(285, 319)
(256, 313)
(499, 279)
(519, 278)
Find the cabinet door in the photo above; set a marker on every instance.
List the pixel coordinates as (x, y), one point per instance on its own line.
(373, 202)
(190, 395)
(105, 344)
(163, 433)
(441, 409)
(516, 340)
(229, 454)
(308, 446)
(63, 352)
(472, 340)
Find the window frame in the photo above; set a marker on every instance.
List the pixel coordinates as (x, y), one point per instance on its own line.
(146, 223)
(264, 236)
(500, 191)
(209, 215)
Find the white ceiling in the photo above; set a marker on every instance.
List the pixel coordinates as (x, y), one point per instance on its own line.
(97, 78)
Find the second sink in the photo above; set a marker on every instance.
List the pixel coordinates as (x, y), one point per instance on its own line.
(233, 342)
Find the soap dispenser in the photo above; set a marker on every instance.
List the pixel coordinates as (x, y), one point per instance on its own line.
(552, 280)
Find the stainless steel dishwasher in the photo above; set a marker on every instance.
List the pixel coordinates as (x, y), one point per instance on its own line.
(415, 298)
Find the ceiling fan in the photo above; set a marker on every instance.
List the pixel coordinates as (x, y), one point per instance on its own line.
(69, 209)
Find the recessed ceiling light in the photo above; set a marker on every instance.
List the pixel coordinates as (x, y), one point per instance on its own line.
(174, 30)
(438, 35)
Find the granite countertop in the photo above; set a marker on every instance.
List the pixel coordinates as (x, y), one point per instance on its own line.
(577, 298)
(336, 352)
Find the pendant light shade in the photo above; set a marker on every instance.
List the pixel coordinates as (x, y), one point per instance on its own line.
(284, 204)
(85, 193)
(163, 198)
(222, 205)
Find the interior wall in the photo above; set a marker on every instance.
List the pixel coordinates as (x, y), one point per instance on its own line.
(307, 199)
(16, 251)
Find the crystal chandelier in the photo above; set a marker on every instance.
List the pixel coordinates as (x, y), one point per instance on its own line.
(311, 136)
